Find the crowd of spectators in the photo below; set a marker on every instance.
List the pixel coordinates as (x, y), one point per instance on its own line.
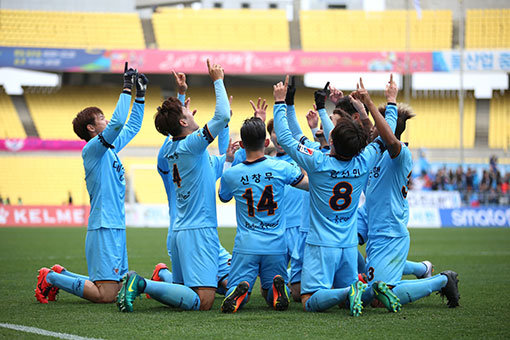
(483, 187)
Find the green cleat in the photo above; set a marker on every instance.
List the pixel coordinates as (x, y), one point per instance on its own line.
(386, 296)
(355, 304)
(132, 286)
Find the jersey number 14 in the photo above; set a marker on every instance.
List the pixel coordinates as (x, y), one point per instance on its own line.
(266, 201)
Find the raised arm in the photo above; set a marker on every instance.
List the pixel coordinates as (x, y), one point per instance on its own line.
(134, 124)
(222, 111)
(320, 104)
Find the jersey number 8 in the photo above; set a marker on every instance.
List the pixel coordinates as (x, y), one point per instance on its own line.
(341, 194)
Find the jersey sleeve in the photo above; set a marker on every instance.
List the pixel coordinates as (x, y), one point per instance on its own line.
(217, 164)
(199, 140)
(391, 116)
(182, 98)
(164, 170)
(310, 144)
(327, 124)
(239, 156)
(98, 145)
(225, 193)
(294, 127)
(404, 157)
(133, 125)
(305, 157)
(223, 140)
(293, 174)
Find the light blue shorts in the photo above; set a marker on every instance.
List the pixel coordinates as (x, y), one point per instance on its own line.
(224, 260)
(291, 236)
(195, 257)
(386, 259)
(296, 261)
(328, 267)
(248, 267)
(106, 253)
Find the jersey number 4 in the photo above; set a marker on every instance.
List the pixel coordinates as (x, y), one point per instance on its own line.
(341, 194)
(266, 201)
(176, 177)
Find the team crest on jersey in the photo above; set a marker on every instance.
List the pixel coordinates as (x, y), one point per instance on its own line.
(305, 150)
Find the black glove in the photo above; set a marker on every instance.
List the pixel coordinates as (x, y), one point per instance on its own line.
(320, 97)
(129, 77)
(291, 91)
(141, 85)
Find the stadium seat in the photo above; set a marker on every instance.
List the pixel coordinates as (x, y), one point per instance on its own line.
(10, 123)
(488, 28)
(221, 29)
(352, 30)
(499, 120)
(70, 29)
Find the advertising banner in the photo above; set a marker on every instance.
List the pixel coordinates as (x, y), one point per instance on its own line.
(434, 199)
(476, 217)
(43, 216)
(474, 60)
(37, 144)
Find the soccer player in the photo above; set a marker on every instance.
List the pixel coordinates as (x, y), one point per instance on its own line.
(336, 182)
(387, 213)
(105, 245)
(194, 244)
(161, 271)
(260, 247)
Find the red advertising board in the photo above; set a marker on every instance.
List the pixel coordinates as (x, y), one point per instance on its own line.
(43, 216)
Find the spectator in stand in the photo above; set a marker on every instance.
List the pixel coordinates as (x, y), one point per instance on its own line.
(20, 201)
(7, 201)
(70, 198)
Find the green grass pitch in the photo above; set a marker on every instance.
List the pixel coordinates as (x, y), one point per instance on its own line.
(480, 256)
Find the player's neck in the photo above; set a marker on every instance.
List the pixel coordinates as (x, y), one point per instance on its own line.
(254, 155)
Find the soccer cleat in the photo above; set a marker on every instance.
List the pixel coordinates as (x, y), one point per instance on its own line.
(355, 304)
(155, 274)
(429, 271)
(451, 290)
(384, 294)
(132, 286)
(43, 287)
(280, 296)
(52, 294)
(363, 277)
(233, 301)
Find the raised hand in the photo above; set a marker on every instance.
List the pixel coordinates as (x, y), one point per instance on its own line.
(312, 117)
(141, 85)
(360, 108)
(259, 110)
(361, 93)
(291, 91)
(129, 77)
(231, 150)
(280, 90)
(335, 95)
(320, 97)
(391, 91)
(215, 71)
(180, 80)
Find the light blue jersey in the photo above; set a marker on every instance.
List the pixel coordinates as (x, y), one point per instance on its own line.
(258, 188)
(335, 185)
(387, 206)
(293, 198)
(194, 172)
(104, 172)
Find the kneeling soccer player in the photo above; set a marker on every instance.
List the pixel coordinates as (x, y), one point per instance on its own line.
(258, 186)
(105, 245)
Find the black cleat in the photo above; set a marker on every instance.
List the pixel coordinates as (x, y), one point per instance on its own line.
(451, 290)
(280, 296)
(232, 302)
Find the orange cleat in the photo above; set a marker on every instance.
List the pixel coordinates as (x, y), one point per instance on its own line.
(43, 287)
(280, 296)
(52, 294)
(232, 302)
(155, 274)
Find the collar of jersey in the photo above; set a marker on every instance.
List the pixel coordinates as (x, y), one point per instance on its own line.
(280, 154)
(255, 161)
(175, 139)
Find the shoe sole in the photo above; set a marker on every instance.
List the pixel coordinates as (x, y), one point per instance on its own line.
(355, 304)
(384, 294)
(453, 301)
(41, 296)
(280, 297)
(122, 304)
(230, 304)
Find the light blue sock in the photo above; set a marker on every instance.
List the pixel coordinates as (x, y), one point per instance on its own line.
(71, 274)
(269, 298)
(367, 296)
(166, 275)
(412, 290)
(173, 295)
(73, 285)
(326, 298)
(361, 263)
(415, 268)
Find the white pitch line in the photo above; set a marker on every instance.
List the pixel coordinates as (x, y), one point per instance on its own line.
(44, 332)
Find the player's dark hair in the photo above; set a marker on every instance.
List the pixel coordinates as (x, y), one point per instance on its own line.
(253, 134)
(345, 104)
(349, 138)
(83, 118)
(270, 126)
(404, 112)
(168, 116)
(340, 112)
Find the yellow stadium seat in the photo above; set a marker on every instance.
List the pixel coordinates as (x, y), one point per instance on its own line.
(488, 28)
(499, 121)
(10, 123)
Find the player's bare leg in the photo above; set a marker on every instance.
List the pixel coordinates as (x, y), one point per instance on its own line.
(295, 290)
(101, 291)
(304, 298)
(206, 295)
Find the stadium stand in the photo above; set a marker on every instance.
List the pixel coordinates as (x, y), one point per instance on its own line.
(221, 29)
(499, 121)
(10, 123)
(488, 28)
(350, 30)
(70, 29)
